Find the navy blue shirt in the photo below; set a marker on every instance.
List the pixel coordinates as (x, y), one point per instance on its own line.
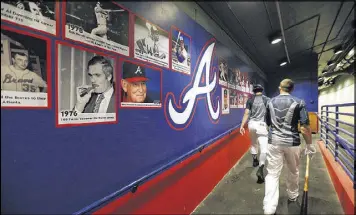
(283, 113)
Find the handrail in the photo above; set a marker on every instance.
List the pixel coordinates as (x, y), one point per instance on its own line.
(342, 150)
(134, 185)
(342, 113)
(340, 105)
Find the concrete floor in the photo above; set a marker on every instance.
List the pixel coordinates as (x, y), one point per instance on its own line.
(238, 192)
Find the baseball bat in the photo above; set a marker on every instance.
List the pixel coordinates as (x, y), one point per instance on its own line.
(177, 40)
(304, 206)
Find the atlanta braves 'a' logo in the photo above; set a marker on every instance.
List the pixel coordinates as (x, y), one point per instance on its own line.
(179, 117)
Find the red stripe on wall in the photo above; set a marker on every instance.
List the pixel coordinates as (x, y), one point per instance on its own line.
(180, 189)
(342, 182)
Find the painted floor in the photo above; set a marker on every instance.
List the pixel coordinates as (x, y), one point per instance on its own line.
(238, 192)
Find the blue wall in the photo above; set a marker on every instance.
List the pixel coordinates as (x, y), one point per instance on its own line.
(304, 73)
(61, 170)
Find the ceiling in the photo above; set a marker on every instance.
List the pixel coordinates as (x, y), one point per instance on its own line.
(309, 27)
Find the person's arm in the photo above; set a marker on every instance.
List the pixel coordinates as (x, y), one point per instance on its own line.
(246, 115)
(304, 124)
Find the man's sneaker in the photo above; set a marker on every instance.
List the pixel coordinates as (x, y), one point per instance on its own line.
(260, 176)
(255, 162)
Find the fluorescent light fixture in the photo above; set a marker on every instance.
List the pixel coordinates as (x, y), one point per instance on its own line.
(351, 53)
(275, 41)
(275, 38)
(283, 63)
(338, 50)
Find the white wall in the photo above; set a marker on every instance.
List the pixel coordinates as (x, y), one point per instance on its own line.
(343, 91)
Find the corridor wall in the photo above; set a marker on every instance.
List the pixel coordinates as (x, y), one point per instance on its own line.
(56, 159)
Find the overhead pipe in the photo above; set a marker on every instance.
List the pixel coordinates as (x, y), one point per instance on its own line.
(282, 30)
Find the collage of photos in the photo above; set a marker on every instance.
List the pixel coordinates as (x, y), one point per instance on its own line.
(181, 60)
(100, 24)
(91, 86)
(151, 43)
(40, 15)
(86, 89)
(24, 70)
(140, 86)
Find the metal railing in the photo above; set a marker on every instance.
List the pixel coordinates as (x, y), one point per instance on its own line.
(135, 184)
(339, 141)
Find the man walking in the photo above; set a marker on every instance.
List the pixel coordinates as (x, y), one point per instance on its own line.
(282, 115)
(255, 111)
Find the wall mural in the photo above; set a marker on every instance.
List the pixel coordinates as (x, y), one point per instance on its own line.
(138, 84)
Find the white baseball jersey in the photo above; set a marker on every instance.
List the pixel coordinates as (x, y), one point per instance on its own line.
(20, 80)
(185, 55)
(101, 16)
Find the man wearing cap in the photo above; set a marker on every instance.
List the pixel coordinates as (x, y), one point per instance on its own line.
(100, 96)
(256, 111)
(282, 115)
(134, 84)
(181, 53)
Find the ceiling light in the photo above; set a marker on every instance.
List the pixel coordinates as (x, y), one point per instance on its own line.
(330, 63)
(275, 38)
(283, 63)
(338, 50)
(351, 53)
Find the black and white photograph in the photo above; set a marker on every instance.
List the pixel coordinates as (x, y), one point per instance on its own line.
(240, 102)
(140, 86)
(101, 24)
(24, 70)
(86, 91)
(231, 78)
(233, 99)
(225, 104)
(181, 60)
(151, 43)
(223, 72)
(40, 15)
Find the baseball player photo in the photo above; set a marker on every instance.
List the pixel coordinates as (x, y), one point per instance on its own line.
(233, 99)
(225, 101)
(180, 51)
(237, 77)
(86, 86)
(151, 43)
(39, 15)
(240, 100)
(231, 78)
(223, 72)
(102, 24)
(23, 70)
(140, 86)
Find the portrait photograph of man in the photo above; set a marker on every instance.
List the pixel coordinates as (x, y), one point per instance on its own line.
(24, 67)
(86, 86)
(140, 86)
(223, 72)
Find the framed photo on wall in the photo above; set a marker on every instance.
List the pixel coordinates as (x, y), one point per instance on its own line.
(86, 86)
(225, 109)
(141, 85)
(25, 69)
(151, 43)
(39, 15)
(101, 24)
(180, 51)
